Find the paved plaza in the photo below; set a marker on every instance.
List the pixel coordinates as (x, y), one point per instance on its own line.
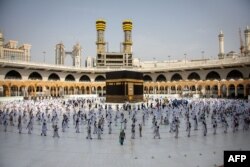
(72, 149)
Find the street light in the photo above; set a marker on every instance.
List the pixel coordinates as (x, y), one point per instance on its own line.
(44, 56)
(185, 57)
(169, 59)
(202, 52)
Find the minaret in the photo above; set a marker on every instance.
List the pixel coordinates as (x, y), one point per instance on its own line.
(221, 45)
(242, 52)
(100, 28)
(127, 44)
(1, 45)
(60, 54)
(76, 55)
(247, 41)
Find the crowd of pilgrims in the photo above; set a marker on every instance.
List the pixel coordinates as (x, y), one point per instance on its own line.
(96, 116)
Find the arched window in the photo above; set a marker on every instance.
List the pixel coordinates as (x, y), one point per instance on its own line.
(161, 78)
(194, 76)
(176, 77)
(35, 76)
(100, 78)
(84, 78)
(213, 76)
(13, 75)
(234, 74)
(69, 78)
(53, 77)
(147, 78)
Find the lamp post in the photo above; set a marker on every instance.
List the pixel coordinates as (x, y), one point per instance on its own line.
(44, 56)
(169, 60)
(202, 52)
(185, 57)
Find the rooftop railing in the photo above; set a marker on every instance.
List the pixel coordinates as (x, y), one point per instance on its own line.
(143, 66)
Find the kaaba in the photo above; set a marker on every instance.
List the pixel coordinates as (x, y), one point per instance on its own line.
(124, 86)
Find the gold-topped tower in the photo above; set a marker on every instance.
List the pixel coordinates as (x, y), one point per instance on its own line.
(127, 44)
(100, 28)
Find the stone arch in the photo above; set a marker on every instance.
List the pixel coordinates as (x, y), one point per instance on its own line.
(173, 89)
(104, 90)
(179, 89)
(14, 90)
(234, 74)
(147, 78)
(35, 76)
(93, 90)
(99, 90)
(31, 90)
(100, 78)
(145, 90)
(53, 77)
(87, 90)
(214, 90)
(84, 78)
(161, 78)
(213, 76)
(13, 74)
(83, 90)
(53, 91)
(176, 77)
(192, 88)
(151, 90)
(167, 90)
(47, 90)
(223, 89)
(60, 91)
(77, 90)
(71, 90)
(66, 90)
(247, 89)
(156, 90)
(39, 88)
(162, 90)
(194, 76)
(70, 77)
(231, 90)
(199, 88)
(240, 91)
(22, 90)
(5, 91)
(207, 90)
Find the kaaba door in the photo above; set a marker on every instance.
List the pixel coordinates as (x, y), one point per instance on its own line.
(130, 91)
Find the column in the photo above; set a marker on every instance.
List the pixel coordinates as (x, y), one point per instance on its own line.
(245, 90)
(203, 90)
(236, 91)
(219, 91)
(34, 91)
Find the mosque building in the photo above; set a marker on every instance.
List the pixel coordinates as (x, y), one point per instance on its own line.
(228, 75)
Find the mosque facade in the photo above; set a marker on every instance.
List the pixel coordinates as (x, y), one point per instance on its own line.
(226, 76)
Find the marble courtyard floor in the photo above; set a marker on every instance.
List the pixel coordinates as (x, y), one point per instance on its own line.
(74, 150)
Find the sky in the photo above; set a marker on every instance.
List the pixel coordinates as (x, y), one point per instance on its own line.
(161, 28)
